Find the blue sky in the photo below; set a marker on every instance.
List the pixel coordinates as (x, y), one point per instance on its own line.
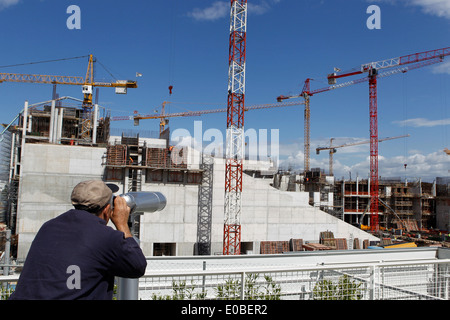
(184, 43)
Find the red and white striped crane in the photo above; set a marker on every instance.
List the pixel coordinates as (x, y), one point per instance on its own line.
(373, 68)
(394, 65)
(235, 128)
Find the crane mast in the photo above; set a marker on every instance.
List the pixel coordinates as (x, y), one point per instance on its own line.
(235, 128)
(373, 111)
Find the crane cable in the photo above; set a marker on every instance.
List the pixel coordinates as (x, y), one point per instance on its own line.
(172, 41)
(62, 59)
(43, 61)
(444, 103)
(405, 118)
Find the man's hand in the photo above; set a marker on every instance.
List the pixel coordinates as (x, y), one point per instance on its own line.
(120, 216)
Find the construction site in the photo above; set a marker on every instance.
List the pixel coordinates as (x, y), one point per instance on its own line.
(216, 205)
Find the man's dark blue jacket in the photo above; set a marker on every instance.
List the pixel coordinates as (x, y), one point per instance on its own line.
(78, 245)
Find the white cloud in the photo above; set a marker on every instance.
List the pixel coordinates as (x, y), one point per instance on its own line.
(422, 122)
(221, 9)
(418, 165)
(428, 166)
(7, 3)
(217, 10)
(442, 68)
(258, 8)
(440, 8)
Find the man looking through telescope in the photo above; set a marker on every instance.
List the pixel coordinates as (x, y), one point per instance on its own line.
(76, 255)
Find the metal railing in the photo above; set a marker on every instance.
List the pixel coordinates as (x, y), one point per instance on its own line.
(7, 285)
(424, 280)
(415, 280)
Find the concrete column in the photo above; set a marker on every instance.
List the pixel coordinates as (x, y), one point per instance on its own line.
(55, 126)
(94, 130)
(24, 133)
(30, 120)
(52, 122)
(60, 119)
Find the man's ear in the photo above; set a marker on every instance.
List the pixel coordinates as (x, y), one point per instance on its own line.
(106, 213)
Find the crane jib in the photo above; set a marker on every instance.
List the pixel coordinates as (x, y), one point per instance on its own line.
(394, 62)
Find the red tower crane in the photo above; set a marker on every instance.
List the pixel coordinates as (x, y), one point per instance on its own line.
(400, 65)
(307, 93)
(372, 69)
(235, 128)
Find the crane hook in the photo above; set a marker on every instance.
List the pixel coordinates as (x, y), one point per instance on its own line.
(170, 89)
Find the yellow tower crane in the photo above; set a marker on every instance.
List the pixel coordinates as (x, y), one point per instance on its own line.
(87, 83)
(164, 116)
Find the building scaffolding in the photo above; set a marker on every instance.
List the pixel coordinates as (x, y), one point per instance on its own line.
(407, 205)
(205, 204)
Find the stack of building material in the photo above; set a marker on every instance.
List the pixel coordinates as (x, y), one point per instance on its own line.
(335, 244)
(325, 235)
(356, 244)
(407, 225)
(274, 247)
(296, 245)
(366, 244)
(341, 244)
(315, 247)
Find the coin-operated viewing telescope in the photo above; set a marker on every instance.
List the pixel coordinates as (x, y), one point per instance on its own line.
(140, 202)
(144, 201)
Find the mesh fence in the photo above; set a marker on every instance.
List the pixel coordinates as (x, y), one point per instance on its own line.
(428, 281)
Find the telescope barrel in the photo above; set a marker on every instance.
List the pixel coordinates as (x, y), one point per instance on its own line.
(145, 201)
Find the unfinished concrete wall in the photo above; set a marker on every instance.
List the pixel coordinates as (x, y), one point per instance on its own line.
(267, 214)
(48, 175)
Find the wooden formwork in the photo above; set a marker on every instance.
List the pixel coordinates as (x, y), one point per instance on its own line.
(155, 158)
(315, 247)
(175, 158)
(274, 247)
(116, 155)
(296, 245)
(356, 244)
(335, 243)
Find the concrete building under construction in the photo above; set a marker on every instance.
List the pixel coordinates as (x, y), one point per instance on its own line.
(407, 205)
(48, 157)
(45, 155)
